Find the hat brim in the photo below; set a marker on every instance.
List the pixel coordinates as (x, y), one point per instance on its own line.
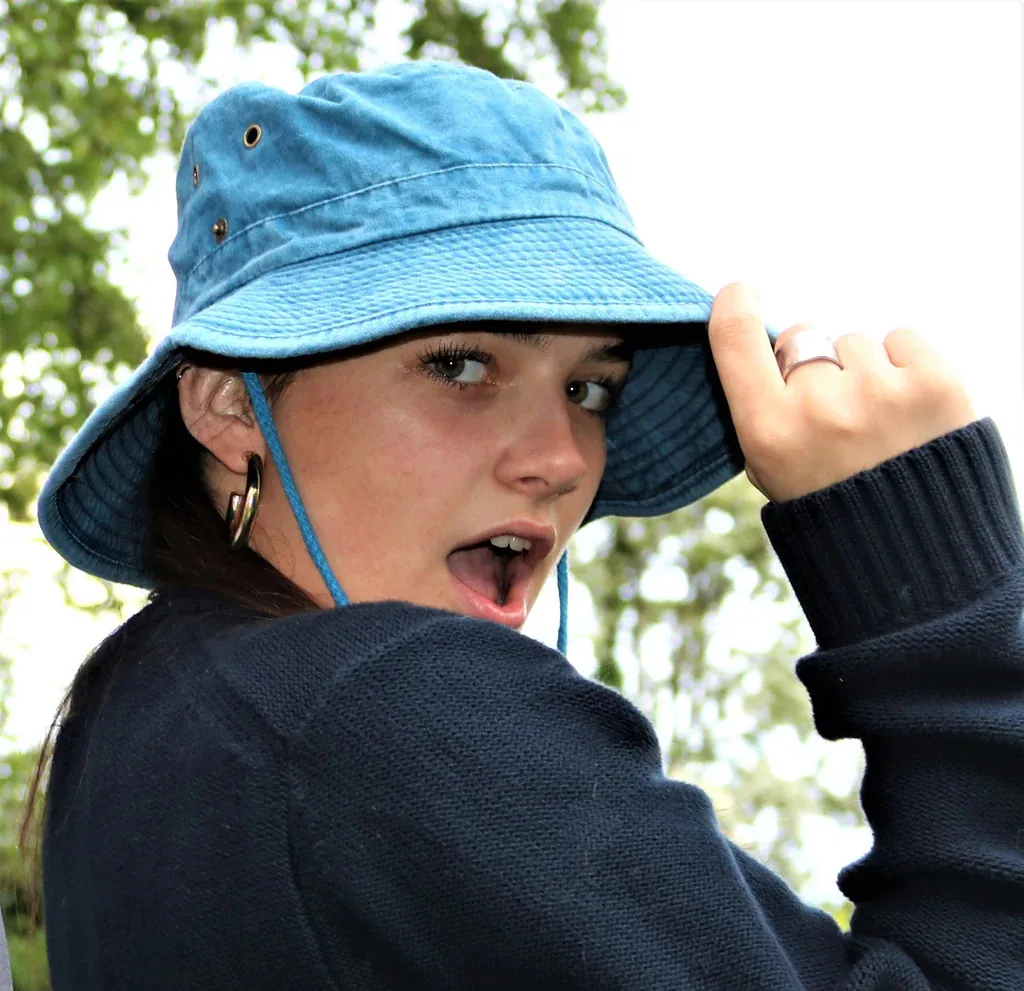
(670, 441)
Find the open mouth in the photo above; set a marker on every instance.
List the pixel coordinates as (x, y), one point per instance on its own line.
(499, 568)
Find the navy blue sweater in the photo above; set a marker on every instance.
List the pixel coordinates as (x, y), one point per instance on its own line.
(387, 796)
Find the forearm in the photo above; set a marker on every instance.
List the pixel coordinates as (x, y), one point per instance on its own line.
(922, 658)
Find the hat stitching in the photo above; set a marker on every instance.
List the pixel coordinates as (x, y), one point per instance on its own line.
(118, 501)
(228, 332)
(397, 247)
(395, 182)
(89, 550)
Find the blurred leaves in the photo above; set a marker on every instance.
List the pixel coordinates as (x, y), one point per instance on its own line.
(21, 916)
(10, 584)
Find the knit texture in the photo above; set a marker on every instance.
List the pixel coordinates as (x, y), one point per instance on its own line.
(391, 797)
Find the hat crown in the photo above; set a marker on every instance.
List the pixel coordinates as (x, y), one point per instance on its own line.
(358, 158)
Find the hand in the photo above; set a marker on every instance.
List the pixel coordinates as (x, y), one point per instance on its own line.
(828, 423)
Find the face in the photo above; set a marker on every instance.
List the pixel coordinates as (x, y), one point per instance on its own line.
(411, 457)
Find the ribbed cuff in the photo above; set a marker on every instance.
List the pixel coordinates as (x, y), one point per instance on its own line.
(905, 541)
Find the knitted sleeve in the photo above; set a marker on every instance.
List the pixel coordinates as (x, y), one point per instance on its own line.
(469, 812)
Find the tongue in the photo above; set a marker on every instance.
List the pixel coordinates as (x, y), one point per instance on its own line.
(481, 569)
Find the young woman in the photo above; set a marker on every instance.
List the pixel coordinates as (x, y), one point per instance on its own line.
(416, 346)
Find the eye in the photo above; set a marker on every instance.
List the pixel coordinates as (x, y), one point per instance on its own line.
(595, 397)
(456, 365)
(460, 371)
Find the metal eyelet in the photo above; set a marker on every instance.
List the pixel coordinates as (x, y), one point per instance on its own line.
(220, 230)
(252, 135)
(195, 175)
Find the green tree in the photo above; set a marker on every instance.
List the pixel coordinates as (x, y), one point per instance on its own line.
(25, 936)
(10, 581)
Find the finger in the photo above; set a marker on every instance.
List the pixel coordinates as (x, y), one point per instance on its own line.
(907, 347)
(743, 352)
(931, 372)
(862, 353)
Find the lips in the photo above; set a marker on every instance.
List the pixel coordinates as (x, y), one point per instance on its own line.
(495, 584)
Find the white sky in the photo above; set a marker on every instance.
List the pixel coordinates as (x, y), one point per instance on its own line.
(860, 162)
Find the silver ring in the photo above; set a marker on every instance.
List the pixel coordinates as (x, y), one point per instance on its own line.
(805, 345)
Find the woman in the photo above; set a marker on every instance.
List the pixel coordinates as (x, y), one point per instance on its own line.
(416, 346)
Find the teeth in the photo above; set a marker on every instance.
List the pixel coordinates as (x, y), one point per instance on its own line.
(511, 542)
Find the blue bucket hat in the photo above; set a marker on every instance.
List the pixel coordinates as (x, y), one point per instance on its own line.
(376, 203)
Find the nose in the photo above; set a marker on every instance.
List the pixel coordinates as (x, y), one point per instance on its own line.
(544, 455)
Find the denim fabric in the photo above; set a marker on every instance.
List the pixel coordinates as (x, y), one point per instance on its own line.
(376, 203)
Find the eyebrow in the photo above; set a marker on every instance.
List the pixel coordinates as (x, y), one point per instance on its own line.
(612, 354)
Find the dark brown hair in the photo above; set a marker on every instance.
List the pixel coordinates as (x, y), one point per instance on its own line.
(186, 546)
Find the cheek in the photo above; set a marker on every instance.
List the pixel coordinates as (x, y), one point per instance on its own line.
(597, 454)
(426, 448)
(591, 442)
(437, 433)
(572, 508)
(376, 460)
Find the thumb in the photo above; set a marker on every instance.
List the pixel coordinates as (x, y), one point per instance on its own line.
(743, 353)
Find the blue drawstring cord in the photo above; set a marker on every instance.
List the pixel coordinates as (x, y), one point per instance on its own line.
(262, 410)
(266, 422)
(563, 604)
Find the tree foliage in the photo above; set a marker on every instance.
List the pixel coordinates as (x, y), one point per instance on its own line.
(25, 936)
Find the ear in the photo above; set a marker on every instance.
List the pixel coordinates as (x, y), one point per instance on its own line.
(216, 410)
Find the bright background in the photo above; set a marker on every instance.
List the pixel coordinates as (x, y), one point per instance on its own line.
(859, 162)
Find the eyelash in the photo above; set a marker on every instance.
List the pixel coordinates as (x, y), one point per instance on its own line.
(463, 352)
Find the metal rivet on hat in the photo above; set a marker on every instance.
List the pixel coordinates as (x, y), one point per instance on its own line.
(252, 135)
(220, 229)
(195, 175)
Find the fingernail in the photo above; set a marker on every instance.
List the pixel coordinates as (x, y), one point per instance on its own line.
(750, 295)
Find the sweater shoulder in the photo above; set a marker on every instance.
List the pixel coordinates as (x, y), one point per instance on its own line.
(285, 668)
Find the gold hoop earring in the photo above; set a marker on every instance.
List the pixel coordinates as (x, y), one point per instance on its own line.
(241, 512)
